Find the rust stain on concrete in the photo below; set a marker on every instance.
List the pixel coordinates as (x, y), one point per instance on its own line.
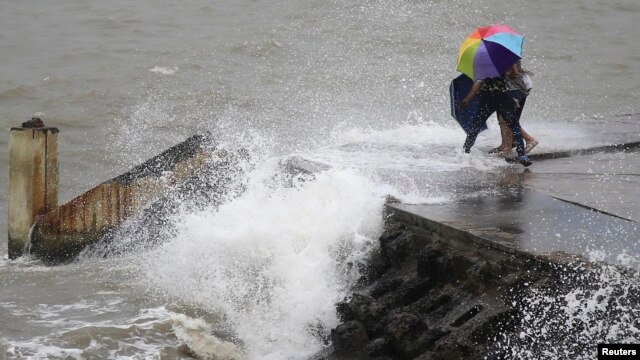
(64, 231)
(33, 177)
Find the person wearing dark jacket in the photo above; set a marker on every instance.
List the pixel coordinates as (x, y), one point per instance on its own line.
(495, 97)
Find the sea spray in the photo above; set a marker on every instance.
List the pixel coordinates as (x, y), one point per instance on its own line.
(274, 261)
(217, 179)
(588, 304)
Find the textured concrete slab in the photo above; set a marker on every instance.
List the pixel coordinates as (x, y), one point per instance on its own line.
(525, 220)
(581, 202)
(609, 182)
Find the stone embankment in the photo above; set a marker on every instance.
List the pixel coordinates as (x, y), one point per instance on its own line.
(429, 297)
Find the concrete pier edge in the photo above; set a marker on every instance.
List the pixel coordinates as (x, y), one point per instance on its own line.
(449, 231)
(629, 146)
(62, 233)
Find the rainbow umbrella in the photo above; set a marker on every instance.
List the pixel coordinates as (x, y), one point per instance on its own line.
(489, 51)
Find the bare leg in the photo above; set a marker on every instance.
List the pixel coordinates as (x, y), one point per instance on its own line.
(527, 137)
(507, 137)
(511, 120)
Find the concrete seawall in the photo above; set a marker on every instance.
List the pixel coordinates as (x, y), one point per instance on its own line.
(461, 280)
(64, 231)
(432, 293)
(468, 279)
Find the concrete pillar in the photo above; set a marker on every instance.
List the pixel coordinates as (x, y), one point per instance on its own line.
(33, 179)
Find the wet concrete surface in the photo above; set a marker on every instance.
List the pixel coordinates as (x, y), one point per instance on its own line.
(609, 182)
(584, 202)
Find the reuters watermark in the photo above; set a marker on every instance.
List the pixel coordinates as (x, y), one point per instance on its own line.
(618, 351)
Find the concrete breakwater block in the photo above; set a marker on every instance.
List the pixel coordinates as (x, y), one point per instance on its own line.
(65, 231)
(446, 298)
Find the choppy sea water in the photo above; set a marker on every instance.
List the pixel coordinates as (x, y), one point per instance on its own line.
(361, 86)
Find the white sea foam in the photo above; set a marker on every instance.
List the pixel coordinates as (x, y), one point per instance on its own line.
(196, 334)
(409, 134)
(427, 147)
(26, 264)
(140, 337)
(37, 350)
(164, 70)
(274, 261)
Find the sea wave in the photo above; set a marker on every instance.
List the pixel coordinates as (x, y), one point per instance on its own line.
(17, 92)
(275, 260)
(164, 70)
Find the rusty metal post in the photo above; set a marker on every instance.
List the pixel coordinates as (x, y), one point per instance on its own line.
(33, 179)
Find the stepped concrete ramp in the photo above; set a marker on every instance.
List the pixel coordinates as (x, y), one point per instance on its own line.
(64, 231)
(191, 173)
(581, 202)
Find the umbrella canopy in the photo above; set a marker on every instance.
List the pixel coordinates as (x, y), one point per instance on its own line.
(489, 51)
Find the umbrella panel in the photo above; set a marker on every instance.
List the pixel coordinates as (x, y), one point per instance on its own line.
(512, 42)
(465, 61)
(501, 58)
(484, 66)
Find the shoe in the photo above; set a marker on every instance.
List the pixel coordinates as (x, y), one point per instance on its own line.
(530, 146)
(524, 160)
(467, 150)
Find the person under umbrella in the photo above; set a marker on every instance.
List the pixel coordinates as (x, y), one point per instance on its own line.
(495, 97)
(519, 85)
(487, 56)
